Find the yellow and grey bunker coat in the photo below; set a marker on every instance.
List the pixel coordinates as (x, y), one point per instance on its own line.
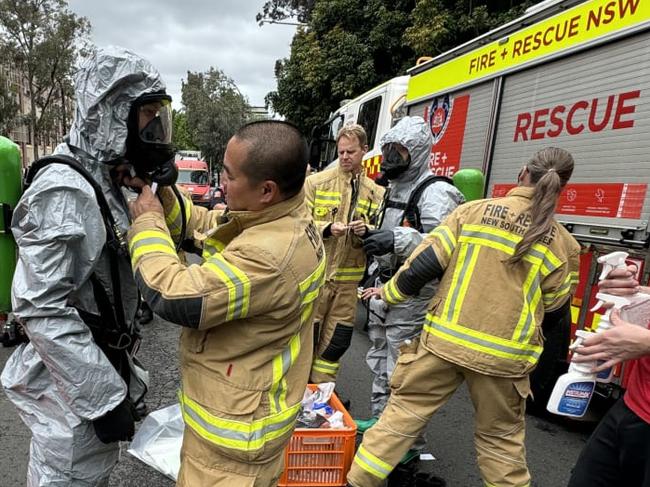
(246, 348)
(487, 313)
(338, 196)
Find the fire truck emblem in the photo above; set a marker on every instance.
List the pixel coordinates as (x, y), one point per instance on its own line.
(439, 116)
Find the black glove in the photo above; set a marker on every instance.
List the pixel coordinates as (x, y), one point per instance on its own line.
(117, 424)
(379, 242)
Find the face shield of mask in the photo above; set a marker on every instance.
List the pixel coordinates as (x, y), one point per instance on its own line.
(155, 122)
(149, 146)
(392, 164)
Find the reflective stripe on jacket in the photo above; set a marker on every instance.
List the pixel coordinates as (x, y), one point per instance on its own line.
(329, 198)
(246, 350)
(487, 313)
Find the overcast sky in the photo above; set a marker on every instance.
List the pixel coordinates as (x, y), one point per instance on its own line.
(177, 36)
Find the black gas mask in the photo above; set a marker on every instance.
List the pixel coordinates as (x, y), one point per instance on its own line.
(149, 146)
(392, 163)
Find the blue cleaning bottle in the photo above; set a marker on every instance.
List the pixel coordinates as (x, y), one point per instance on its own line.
(573, 390)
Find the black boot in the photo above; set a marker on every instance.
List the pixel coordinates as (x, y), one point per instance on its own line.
(403, 475)
(423, 479)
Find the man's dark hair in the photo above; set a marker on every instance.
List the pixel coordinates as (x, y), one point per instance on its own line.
(277, 151)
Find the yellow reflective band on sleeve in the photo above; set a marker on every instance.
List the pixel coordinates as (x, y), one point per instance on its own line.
(281, 365)
(372, 464)
(392, 295)
(531, 298)
(481, 342)
(446, 237)
(150, 241)
(237, 435)
(211, 246)
(237, 283)
(570, 281)
(353, 274)
(173, 219)
(325, 367)
(463, 270)
(310, 287)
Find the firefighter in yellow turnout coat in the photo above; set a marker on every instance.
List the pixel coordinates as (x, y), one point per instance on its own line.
(506, 266)
(246, 346)
(344, 203)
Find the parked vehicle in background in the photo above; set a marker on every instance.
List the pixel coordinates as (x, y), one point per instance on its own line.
(194, 176)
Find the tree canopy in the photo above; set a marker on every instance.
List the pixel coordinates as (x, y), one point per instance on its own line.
(349, 46)
(215, 109)
(42, 39)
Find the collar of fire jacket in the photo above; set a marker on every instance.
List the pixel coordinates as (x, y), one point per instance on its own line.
(247, 219)
(523, 191)
(346, 176)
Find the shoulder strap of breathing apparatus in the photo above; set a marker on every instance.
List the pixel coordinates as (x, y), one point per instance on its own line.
(411, 216)
(110, 329)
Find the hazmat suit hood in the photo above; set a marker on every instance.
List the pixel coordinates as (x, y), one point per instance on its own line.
(414, 134)
(106, 84)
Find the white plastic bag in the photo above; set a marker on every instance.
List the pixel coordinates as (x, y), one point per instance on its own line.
(158, 441)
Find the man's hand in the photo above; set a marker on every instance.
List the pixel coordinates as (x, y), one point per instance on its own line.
(146, 201)
(358, 227)
(371, 292)
(624, 341)
(338, 229)
(620, 282)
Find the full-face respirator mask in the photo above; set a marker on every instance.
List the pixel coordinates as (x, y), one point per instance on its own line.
(392, 164)
(149, 147)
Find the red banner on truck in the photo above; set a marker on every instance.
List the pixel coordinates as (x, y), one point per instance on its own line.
(612, 200)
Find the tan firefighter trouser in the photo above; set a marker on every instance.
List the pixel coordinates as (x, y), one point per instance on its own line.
(420, 385)
(202, 465)
(333, 325)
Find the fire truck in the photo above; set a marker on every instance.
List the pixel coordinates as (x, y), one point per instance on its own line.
(568, 73)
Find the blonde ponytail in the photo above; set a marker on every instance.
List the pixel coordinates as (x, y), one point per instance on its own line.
(550, 169)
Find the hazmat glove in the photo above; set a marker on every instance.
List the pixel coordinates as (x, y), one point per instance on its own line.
(379, 242)
(117, 424)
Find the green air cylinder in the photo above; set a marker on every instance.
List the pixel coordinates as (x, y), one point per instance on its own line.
(10, 189)
(471, 183)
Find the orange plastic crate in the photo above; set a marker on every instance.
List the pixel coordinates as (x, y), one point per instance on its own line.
(320, 457)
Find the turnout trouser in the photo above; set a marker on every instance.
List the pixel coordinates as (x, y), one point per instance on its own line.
(333, 325)
(203, 465)
(423, 382)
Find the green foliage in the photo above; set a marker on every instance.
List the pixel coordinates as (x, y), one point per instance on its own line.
(215, 109)
(182, 136)
(349, 46)
(42, 38)
(440, 25)
(285, 9)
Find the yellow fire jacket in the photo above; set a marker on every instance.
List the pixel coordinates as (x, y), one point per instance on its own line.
(487, 313)
(330, 198)
(246, 348)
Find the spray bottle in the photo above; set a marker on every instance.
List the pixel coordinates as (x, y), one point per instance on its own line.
(573, 390)
(629, 305)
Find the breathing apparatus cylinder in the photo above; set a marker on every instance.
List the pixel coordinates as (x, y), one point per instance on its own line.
(10, 190)
(471, 183)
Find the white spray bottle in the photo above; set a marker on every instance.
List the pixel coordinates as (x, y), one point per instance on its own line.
(573, 390)
(627, 304)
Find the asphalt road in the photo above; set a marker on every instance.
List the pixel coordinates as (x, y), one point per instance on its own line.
(552, 446)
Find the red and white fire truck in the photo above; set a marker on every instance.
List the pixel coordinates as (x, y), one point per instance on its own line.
(569, 73)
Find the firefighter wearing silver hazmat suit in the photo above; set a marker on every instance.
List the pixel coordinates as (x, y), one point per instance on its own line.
(68, 393)
(393, 242)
